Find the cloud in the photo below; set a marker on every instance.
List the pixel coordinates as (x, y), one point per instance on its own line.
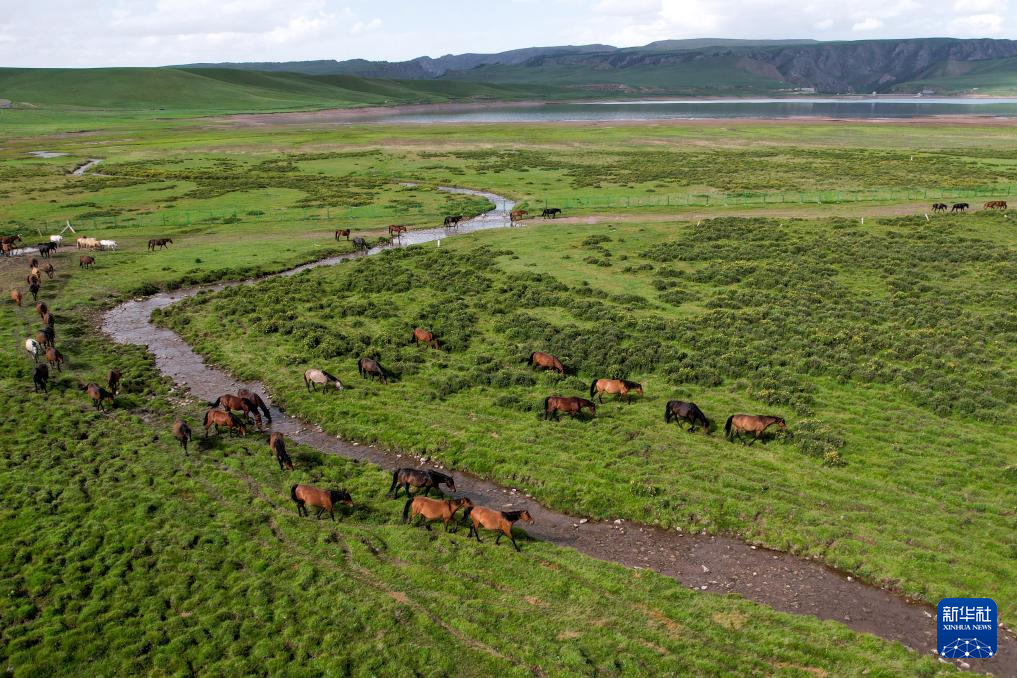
(978, 25)
(362, 27)
(868, 24)
(823, 25)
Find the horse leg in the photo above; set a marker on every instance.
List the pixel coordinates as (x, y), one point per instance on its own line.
(331, 512)
(513, 540)
(321, 509)
(497, 540)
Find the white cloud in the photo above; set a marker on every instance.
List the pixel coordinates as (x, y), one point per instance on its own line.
(361, 27)
(978, 25)
(823, 25)
(868, 24)
(979, 6)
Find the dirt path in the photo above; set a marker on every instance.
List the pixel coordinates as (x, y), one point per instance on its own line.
(716, 564)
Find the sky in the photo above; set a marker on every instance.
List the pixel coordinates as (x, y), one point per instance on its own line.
(90, 33)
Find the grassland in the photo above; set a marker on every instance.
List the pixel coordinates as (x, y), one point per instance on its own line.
(123, 554)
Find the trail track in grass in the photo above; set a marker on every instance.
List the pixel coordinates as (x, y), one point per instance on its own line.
(708, 563)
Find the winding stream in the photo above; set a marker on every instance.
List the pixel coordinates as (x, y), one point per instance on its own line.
(715, 564)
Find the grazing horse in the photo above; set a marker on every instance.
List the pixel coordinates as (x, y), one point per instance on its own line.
(517, 215)
(325, 500)
(619, 387)
(9, 239)
(552, 212)
(360, 245)
(230, 402)
(959, 207)
(182, 432)
(500, 521)
(56, 239)
(756, 424)
(370, 368)
(425, 479)
(574, 406)
(222, 418)
(33, 289)
(342, 232)
(16, 297)
(40, 375)
(49, 270)
(277, 444)
(33, 348)
(680, 411)
(422, 336)
(160, 243)
(546, 361)
(113, 381)
(110, 245)
(46, 337)
(98, 394)
(315, 376)
(258, 402)
(939, 207)
(433, 509)
(453, 220)
(996, 205)
(55, 358)
(86, 261)
(396, 231)
(45, 248)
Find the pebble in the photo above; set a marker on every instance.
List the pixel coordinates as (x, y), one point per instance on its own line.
(705, 568)
(583, 521)
(702, 588)
(965, 665)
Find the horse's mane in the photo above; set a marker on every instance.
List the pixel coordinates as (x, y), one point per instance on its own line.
(439, 474)
(631, 384)
(512, 516)
(328, 376)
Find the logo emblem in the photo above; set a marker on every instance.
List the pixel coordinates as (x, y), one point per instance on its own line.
(966, 628)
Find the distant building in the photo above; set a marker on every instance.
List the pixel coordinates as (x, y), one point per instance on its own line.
(805, 90)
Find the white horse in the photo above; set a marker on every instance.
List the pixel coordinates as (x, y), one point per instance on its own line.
(56, 239)
(32, 346)
(315, 376)
(108, 245)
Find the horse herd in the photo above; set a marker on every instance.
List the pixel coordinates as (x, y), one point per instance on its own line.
(963, 206)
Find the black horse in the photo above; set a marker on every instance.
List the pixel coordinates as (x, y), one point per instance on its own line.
(422, 479)
(45, 248)
(939, 207)
(679, 411)
(39, 377)
(370, 368)
(959, 207)
(360, 245)
(453, 220)
(552, 212)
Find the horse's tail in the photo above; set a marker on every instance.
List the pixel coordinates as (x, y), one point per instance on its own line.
(530, 360)
(593, 387)
(727, 427)
(667, 413)
(546, 400)
(406, 509)
(216, 403)
(293, 495)
(395, 480)
(207, 415)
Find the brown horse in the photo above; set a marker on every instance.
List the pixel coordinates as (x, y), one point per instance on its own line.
(453, 220)
(396, 231)
(98, 395)
(996, 205)
(370, 368)
(422, 336)
(34, 291)
(433, 509)
(46, 337)
(517, 215)
(500, 521)
(405, 478)
(48, 319)
(160, 243)
(41, 308)
(40, 376)
(86, 261)
(182, 432)
(574, 406)
(679, 411)
(54, 358)
(258, 402)
(546, 361)
(16, 297)
(34, 277)
(9, 239)
(619, 387)
(756, 424)
(325, 500)
(49, 270)
(342, 232)
(230, 402)
(221, 418)
(113, 381)
(277, 444)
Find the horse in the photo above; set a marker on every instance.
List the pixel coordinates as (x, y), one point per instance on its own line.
(500, 521)
(574, 406)
(405, 478)
(315, 376)
(46, 337)
(258, 402)
(41, 308)
(33, 289)
(55, 358)
(88, 243)
(422, 336)
(221, 418)
(34, 277)
(619, 387)
(959, 207)
(995, 205)
(452, 221)
(680, 411)
(9, 239)
(48, 319)
(517, 215)
(86, 262)
(45, 248)
(113, 381)
(277, 444)
(56, 239)
(49, 270)
(396, 231)
(325, 500)
(230, 402)
(33, 348)
(552, 212)
(98, 394)
(110, 245)
(182, 432)
(80, 242)
(756, 424)
(342, 232)
(547, 362)
(7, 249)
(160, 243)
(370, 368)
(433, 509)
(40, 375)
(360, 245)
(16, 297)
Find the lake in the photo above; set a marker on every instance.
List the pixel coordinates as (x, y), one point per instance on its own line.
(695, 109)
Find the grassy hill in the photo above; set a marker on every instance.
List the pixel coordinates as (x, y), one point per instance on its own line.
(225, 89)
(996, 76)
